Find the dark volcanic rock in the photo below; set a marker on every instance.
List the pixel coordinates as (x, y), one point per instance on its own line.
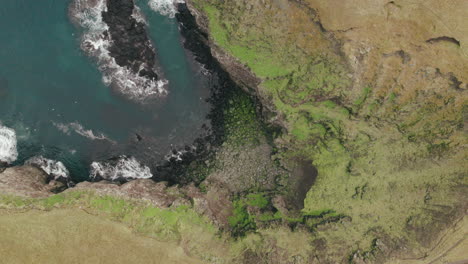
(131, 46)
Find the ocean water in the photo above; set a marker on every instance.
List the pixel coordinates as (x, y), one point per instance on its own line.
(53, 96)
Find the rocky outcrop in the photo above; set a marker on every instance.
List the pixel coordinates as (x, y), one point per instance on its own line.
(55, 170)
(32, 182)
(214, 204)
(130, 46)
(114, 33)
(194, 27)
(28, 181)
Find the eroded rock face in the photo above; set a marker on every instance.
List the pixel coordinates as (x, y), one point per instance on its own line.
(28, 181)
(56, 170)
(215, 203)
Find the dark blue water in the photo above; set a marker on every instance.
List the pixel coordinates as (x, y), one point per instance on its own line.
(46, 81)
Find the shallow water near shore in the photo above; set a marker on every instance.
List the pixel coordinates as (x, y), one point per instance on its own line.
(54, 98)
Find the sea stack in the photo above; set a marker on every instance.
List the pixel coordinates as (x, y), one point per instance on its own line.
(115, 34)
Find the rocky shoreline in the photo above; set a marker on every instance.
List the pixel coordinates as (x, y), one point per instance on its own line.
(351, 218)
(119, 16)
(195, 26)
(195, 39)
(177, 171)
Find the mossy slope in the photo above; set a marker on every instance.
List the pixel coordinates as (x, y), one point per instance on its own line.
(387, 136)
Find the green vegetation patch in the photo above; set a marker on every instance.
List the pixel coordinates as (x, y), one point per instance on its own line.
(258, 200)
(169, 224)
(373, 172)
(241, 123)
(241, 221)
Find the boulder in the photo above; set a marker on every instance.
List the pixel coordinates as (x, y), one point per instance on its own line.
(27, 181)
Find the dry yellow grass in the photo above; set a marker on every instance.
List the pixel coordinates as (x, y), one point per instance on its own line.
(74, 236)
(452, 248)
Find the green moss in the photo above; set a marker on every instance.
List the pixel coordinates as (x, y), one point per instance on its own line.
(216, 29)
(257, 199)
(114, 206)
(198, 170)
(258, 59)
(365, 93)
(241, 221)
(269, 216)
(329, 104)
(242, 126)
(53, 201)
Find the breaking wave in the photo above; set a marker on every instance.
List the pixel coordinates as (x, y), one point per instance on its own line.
(96, 41)
(80, 130)
(53, 168)
(121, 168)
(165, 7)
(8, 151)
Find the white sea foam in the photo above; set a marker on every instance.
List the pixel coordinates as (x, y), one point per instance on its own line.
(175, 155)
(8, 151)
(80, 130)
(139, 16)
(123, 168)
(96, 43)
(53, 168)
(165, 7)
(178, 154)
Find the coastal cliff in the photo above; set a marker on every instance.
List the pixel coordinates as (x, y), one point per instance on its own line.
(351, 147)
(375, 94)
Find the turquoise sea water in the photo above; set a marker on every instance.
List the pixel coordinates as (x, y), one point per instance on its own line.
(46, 81)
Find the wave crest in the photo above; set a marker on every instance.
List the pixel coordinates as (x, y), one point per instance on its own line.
(122, 168)
(53, 168)
(165, 7)
(80, 130)
(8, 150)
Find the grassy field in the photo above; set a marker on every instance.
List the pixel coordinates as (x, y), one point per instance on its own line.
(81, 227)
(76, 236)
(191, 233)
(388, 142)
